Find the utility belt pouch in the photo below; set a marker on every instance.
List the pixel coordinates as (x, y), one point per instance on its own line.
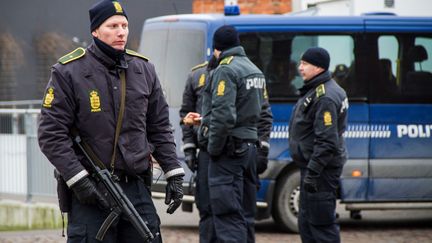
(148, 177)
(64, 194)
(236, 147)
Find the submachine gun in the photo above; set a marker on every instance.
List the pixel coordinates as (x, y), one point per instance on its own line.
(122, 204)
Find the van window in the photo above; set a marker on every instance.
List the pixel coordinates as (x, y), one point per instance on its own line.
(164, 47)
(404, 69)
(278, 54)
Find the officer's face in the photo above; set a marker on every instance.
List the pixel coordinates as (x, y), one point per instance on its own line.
(308, 71)
(114, 32)
(216, 53)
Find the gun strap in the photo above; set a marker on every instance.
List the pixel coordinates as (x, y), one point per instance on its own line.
(120, 115)
(88, 150)
(86, 146)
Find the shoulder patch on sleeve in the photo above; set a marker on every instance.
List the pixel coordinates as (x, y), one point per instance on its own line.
(72, 56)
(226, 60)
(320, 90)
(221, 88)
(136, 54)
(199, 66)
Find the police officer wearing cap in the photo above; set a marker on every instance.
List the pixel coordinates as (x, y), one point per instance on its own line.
(233, 101)
(84, 93)
(317, 146)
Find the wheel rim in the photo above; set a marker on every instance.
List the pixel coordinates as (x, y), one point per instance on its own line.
(294, 201)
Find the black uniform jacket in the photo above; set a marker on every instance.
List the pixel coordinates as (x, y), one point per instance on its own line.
(317, 124)
(85, 93)
(192, 102)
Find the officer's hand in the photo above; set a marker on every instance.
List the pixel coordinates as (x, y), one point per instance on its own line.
(174, 193)
(262, 159)
(87, 193)
(192, 118)
(310, 181)
(191, 159)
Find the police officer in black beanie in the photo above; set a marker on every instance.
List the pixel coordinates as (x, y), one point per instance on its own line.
(317, 146)
(85, 92)
(234, 103)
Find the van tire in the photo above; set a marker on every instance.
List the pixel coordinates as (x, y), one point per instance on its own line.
(286, 203)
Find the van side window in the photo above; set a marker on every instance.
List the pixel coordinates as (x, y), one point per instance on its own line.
(342, 58)
(277, 55)
(271, 52)
(404, 69)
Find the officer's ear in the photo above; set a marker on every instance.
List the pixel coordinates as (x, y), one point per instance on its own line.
(95, 33)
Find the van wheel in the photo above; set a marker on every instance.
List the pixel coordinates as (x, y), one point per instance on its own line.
(286, 203)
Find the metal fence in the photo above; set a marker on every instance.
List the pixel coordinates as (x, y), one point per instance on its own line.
(24, 170)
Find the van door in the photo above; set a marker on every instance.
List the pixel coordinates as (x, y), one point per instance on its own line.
(401, 114)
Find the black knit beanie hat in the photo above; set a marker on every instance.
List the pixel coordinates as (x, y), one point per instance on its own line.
(102, 10)
(225, 37)
(317, 56)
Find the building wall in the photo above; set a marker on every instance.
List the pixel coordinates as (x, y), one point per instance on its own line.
(359, 7)
(34, 34)
(246, 6)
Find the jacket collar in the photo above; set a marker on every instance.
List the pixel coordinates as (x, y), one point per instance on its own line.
(234, 51)
(107, 60)
(315, 81)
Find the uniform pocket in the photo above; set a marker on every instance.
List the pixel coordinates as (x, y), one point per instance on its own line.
(77, 233)
(321, 208)
(223, 197)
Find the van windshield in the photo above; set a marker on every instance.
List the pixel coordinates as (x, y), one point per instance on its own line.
(173, 52)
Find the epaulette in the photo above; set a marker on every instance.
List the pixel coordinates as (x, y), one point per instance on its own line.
(226, 60)
(320, 90)
(72, 56)
(199, 66)
(136, 54)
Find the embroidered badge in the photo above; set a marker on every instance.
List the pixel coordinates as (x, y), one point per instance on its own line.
(201, 80)
(117, 7)
(49, 97)
(221, 88)
(327, 118)
(95, 101)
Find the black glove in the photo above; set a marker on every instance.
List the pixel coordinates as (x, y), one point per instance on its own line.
(174, 193)
(191, 159)
(310, 181)
(262, 159)
(87, 193)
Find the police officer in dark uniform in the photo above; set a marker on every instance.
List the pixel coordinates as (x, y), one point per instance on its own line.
(192, 103)
(198, 78)
(232, 106)
(316, 142)
(84, 93)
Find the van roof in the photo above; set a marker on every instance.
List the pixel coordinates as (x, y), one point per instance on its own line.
(368, 23)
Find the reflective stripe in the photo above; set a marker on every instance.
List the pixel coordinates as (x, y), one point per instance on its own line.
(265, 144)
(352, 131)
(178, 171)
(188, 146)
(76, 178)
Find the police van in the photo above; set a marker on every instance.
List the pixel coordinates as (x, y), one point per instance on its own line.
(384, 62)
